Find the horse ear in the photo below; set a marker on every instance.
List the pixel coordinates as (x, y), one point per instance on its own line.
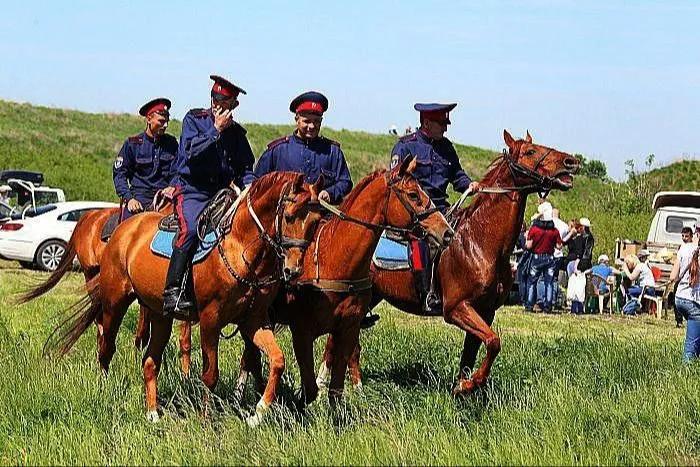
(528, 138)
(316, 188)
(298, 185)
(510, 142)
(407, 165)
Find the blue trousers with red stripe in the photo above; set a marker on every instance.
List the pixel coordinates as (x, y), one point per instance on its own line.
(189, 204)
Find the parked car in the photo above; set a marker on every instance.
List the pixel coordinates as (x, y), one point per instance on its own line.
(26, 191)
(40, 241)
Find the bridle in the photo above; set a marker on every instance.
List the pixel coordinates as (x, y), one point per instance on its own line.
(280, 244)
(416, 217)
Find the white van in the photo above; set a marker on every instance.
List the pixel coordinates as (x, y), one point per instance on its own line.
(674, 210)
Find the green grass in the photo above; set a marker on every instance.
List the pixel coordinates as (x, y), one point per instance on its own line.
(565, 390)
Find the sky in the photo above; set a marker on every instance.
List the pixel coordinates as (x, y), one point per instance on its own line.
(613, 80)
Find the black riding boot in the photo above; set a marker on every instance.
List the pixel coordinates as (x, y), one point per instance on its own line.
(177, 298)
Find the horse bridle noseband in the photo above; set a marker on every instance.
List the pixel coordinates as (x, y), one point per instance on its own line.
(543, 184)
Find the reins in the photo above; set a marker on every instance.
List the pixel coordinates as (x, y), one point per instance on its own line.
(543, 183)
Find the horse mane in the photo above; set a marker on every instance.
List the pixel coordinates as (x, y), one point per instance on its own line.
(493, 171)
(260, 186)
(352, 196)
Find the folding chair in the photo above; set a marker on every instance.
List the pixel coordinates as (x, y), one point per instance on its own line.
(596, 281)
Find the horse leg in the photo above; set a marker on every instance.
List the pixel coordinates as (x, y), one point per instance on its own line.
(303, 343)
(353, 365)
(470, 350)
(345, 343)
(324, 371)
(209, 330)
(250, 363)
(143, 329)
(185, 348)
(465, 317)
(161, 328)
(108, 325)
(264, 339)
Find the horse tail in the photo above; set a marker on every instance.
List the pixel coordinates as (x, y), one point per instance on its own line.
(84, 312)
(64, 266)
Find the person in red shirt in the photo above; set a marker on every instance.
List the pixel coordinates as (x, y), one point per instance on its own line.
(542, 238)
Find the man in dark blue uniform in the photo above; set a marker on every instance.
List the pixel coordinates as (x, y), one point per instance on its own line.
(306, 152)
(438, 165)
(214, 153)
(146, 162)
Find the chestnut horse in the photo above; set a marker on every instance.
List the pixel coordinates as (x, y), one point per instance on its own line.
(475, 271)
(333, 293)
(86, 244)
(273, 224)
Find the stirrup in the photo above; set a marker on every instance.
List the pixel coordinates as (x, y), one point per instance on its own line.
(176, 303)
(432, 302)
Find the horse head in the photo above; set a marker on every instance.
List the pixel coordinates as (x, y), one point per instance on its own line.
(411, 208)
(299, 215)
(541, 167)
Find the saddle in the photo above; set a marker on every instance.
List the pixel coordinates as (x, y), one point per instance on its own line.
(108, 228)
(209, 227)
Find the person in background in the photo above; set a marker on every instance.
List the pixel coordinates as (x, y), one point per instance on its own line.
(686, 237)
(588, 242)
(604, 270)
(5, 193)
(686, 271)
(542, 239)
(639, 273)
(559, 260)
(574, 244)
(522, 255)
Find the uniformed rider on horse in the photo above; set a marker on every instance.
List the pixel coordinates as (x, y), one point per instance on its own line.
(214, 153)
(307, 152)
(146, 162)
(438, 165)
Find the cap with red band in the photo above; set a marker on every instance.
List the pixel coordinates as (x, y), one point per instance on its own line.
(312, 102)
(160, 104)
(223, 89)
(437, 112)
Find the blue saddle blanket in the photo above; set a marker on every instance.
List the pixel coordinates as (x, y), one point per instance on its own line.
(390, 254)
(162, 244)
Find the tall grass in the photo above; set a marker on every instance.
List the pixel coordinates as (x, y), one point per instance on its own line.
(564, 391)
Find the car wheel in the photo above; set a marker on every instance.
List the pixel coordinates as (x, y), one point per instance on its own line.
(49, 254)
(27, 265)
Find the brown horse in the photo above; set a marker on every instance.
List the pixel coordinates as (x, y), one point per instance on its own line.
(475, 270)
(333, 293)
(273, 224)
(86, 244)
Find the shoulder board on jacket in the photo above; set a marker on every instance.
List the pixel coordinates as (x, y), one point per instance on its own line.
(138, 139)
(407, 138)
(281, 140)
(199, 113)
(328, 140)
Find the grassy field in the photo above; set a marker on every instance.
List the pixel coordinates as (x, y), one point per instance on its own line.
(565, 390)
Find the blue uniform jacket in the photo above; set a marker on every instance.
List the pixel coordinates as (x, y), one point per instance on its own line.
(438, 165)
(312, 158)
(144, 166)
(207, 160)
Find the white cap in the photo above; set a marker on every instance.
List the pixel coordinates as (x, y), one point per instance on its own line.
(603, 258)
(584, 221)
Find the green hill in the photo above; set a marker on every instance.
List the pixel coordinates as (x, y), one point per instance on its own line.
(75, 151)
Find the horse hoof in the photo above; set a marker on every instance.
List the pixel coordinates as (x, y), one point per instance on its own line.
(464, 387)
(152, 416)
(256, 419)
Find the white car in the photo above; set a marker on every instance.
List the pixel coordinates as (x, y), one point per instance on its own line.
(40, 241)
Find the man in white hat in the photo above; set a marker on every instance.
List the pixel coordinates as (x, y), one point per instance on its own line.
(542, 239)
